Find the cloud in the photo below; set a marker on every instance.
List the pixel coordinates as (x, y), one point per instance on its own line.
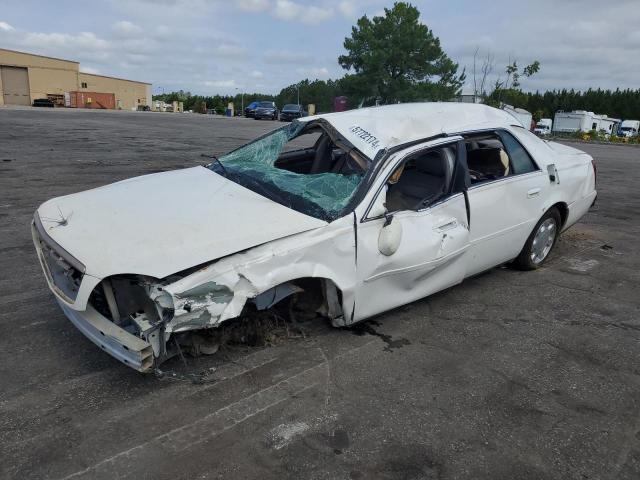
(595, 49)
(180, 44)
(286, 57)
(69, 42)
(94, 71)
(289, 10)
(220, 83)
(252, 5)
(315, 72)
(347, 8)
(126, 28)
(229, 50)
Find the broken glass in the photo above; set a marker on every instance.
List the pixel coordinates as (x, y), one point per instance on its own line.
(322, 195)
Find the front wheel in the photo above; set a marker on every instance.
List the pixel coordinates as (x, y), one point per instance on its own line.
(541, 241)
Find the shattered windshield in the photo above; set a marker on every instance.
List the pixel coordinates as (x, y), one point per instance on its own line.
(298, 166)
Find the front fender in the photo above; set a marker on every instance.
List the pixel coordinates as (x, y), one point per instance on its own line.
(219, 291)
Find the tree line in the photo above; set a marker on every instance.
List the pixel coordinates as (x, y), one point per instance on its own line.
(623, 104)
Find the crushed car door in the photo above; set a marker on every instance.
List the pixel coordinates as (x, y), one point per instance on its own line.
(413, 238)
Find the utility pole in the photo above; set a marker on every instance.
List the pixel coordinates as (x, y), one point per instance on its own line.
(241, 101)
(298, 89)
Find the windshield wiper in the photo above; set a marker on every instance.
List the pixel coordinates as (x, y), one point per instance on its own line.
(217, 160)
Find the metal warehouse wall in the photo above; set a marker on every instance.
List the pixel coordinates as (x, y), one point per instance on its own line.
(47, 75)
(129, 94)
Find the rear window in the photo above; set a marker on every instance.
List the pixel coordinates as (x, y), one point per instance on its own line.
(520, 159)
(265, 104)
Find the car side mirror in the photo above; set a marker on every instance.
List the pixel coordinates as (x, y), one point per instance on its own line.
(390, 236)
(552, 171)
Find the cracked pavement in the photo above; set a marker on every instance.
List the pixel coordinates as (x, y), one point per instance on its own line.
(509, 375)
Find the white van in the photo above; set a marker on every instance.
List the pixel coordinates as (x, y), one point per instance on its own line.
(629, 128)
(543, 127)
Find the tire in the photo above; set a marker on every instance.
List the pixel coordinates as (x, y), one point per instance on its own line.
(540, 243)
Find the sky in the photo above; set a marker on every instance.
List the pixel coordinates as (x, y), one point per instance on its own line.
(228, 46)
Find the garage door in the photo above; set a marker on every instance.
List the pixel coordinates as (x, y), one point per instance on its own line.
(15, 84)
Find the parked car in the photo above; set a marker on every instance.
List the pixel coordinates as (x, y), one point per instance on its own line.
(372, 209)
(250, 109)
(43, 102)
(266, 110)
(292, 111)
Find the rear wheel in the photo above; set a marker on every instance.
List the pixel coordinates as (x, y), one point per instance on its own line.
(541, 241)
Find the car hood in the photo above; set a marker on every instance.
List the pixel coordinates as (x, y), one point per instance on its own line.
(163, 223)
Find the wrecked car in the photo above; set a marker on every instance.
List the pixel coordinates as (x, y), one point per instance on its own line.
(370, 209)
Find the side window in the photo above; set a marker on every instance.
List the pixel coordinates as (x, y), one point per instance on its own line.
(521, 162)
(487, 158)
(421, 180)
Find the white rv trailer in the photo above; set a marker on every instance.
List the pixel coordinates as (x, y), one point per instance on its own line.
(609, 125)
(583, 121)
(524, 117)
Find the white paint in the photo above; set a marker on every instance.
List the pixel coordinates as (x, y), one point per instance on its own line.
(159, 224)
(166, 222)
(389, 238)
(583, 121)
(393, 125)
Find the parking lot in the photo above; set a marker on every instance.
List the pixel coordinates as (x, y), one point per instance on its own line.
(511, 375)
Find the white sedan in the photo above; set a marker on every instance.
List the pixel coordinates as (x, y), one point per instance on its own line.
(362, 211)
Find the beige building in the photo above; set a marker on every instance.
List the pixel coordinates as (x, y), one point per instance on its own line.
(25, 77)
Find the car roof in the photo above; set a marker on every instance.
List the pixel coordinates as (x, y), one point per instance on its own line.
(373, 129)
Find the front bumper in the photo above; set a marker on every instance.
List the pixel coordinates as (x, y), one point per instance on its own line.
(288, 117)
(120, 344)
(265, 115)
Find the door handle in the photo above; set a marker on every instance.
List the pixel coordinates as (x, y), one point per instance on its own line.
(448, 225)
(533, 192)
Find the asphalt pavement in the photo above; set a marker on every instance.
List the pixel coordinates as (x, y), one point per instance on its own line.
(511, 375)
